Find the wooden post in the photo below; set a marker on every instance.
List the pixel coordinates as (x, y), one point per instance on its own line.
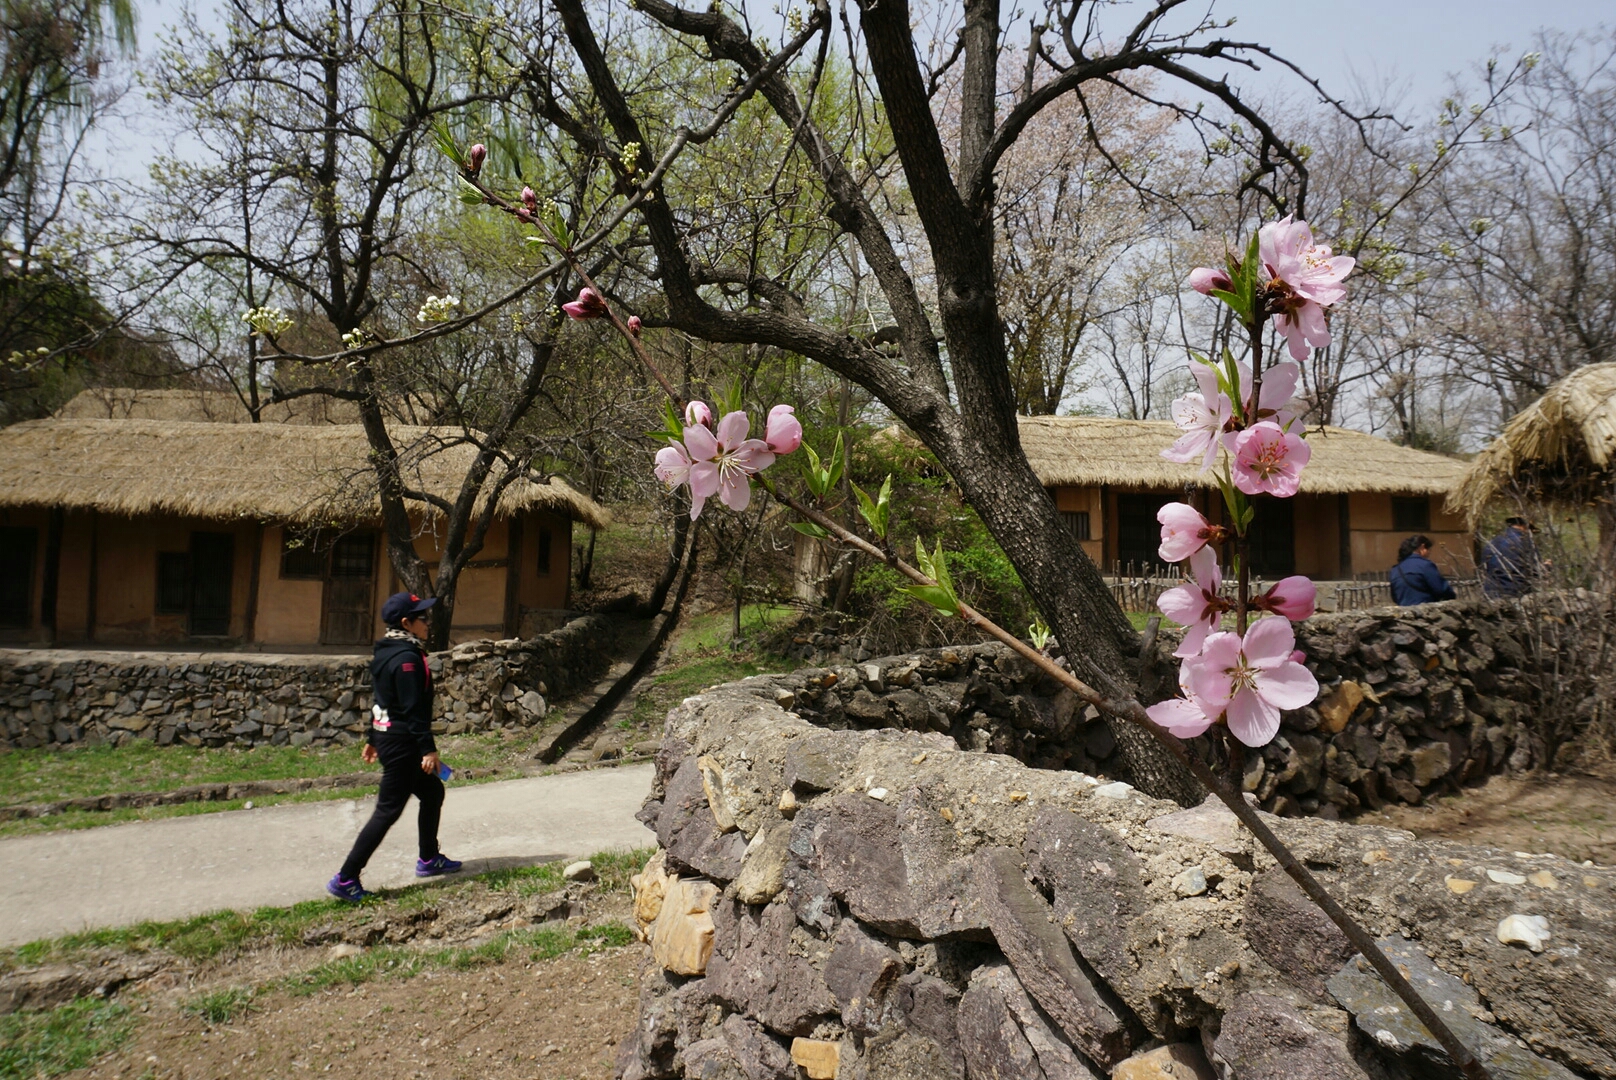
(513, 576)
(95, 574)
(251, 623)
(53, 573)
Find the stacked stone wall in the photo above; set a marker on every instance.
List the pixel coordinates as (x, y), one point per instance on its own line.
(881, 905)
(64, 697)
(1411, 700)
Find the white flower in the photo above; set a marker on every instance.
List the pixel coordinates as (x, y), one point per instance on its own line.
(353, 339)
(267, 321)
(438, 309)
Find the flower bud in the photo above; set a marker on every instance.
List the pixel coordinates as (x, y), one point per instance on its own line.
(474, 159)
(697, 414)
(634, 325)
(530, 200)
(589, 305)
(1204, 279)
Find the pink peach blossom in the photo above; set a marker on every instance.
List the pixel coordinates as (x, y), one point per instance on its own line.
(1184, 531)
(1196, 604)
(589, 305)
(1294, 597)
(675, 465)
(737, 458)
(1251, 679)
(1204, 279)
(1304, 279)
(1267, 459)
(782, 432)
(1201, 417)
(697, 413)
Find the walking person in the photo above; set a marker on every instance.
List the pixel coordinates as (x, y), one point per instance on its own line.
(1415, 579)
(400, 737)
(1509, 563)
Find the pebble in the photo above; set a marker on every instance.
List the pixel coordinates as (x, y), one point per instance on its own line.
(1504, 877)
(1191, 882)
(1529, 930)
(247, 805)
(1115, 790)
(582, 870)
(877, 793)
(1458, 886)
(344, 950)
(1544, 880)
(788, 802)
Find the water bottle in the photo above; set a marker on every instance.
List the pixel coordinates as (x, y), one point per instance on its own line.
(444, 772)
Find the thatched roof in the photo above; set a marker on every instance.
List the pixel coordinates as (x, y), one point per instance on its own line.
(309, 474)
(211, 406)
(1570, 431)
(1084, 450)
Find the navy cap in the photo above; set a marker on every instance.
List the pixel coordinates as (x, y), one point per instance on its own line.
(403, 605)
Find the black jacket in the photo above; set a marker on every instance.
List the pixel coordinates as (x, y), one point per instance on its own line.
(401, 683)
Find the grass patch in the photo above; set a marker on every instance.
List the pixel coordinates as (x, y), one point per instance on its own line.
(666, 689)
(91, 819)
(221, 1006)
(36, 1044)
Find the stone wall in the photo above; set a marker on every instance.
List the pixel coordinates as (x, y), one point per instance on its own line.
(241, 699)
(1411, 700)
(881, 905)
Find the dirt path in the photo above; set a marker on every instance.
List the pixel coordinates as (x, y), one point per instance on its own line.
(1573, 815)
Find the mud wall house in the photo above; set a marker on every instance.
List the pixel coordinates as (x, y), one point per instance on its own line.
(1360, 497)
(181, 533)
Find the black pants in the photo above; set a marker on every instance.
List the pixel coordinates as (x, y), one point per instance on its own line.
(401, 778)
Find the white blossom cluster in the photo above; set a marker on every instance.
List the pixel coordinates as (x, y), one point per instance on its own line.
(437, 309)
(267, 321)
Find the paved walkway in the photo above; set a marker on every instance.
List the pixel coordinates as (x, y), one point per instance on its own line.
(56, 883)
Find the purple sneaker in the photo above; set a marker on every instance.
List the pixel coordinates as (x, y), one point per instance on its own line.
(437, 864)
(347, 889)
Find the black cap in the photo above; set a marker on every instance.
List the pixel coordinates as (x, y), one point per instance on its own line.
(403, 605)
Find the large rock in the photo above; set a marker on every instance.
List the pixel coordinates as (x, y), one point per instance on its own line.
(1290, 932)
(1267, 1038)
(647, 1053)
(860, 973)
(763, 866)
(759, 1056)
(1095, 880)
(992, 1042)
(767, 979)
(1395, 1033)
(1024, 927)
(682, 936)
(1054, 1053)
(710, 1059)
(898, 868)
(688, 832)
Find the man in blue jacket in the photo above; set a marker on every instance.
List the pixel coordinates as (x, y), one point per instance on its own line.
(1415, 579)
(1510, 563)
(400, 737)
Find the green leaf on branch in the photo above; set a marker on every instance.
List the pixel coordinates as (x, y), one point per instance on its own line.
(822, 477)
(557, 224)
(468, 193)
(445, 141)
(876, 511)
(935, 566)
(808, 528)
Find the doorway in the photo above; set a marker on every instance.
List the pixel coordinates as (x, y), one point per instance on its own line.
(212, 577)
(346, 610)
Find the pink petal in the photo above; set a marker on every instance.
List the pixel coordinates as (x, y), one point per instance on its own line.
(1183, 531)
(1183, 604)
(1182, 717)
(1195, 635)
(1192, 445)
(733, 428)
(1251, 719)
(703, 479)
(1269, 642)
(1204, 568)
(1203, 279)
(1279, 386)
(752, 456)
(1294, 597)
(735, 490)
(697, 501)
(783, 432)
(672, 465)
(1314, 327)
(700, 443)
(1287, 686)
(1207, 675)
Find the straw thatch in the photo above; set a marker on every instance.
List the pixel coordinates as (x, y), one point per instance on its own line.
(298, 473)
(210, 406)
(1084, 450)
(1567, 436)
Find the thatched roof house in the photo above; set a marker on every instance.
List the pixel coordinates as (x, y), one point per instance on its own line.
(1566, 439)
(208, 406)
(146, 532)
(1360, 496)
(1083, 450)
(292, 473)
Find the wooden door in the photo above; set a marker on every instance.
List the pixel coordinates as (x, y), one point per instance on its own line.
(17, 546)
(212, 577)
(345, 615)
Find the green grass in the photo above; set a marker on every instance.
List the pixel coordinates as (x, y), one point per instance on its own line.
(221, 1006)
(665, 690)
(36, 1044)
(710, 632)
(90, 819)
